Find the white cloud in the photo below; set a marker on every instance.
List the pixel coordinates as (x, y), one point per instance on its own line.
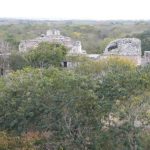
(76, 9)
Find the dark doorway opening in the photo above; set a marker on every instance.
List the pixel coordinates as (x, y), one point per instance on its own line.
(65, 63)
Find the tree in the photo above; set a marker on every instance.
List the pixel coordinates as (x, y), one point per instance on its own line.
(17, 61)
(123, 93)
(145, 40)
(91, 108)
(46, 55)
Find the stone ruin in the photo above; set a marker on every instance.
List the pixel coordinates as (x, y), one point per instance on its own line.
(53, 36)
(126, 47)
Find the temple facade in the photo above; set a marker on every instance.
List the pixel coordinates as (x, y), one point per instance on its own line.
(52, 36)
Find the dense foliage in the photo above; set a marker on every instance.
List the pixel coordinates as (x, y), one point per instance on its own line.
(98, 105)
(45, 55)
(81, 108)
(145, 40)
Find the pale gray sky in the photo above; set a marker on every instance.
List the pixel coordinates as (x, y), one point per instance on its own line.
(76, 9)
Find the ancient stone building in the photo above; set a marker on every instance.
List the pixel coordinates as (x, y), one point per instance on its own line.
(53, 32)
(53, 36)
(125, 47)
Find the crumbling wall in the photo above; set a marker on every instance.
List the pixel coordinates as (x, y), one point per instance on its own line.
(126, 47)
(53, 36)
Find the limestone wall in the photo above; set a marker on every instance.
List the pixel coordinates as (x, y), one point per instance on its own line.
(124, 46)
(53, 36)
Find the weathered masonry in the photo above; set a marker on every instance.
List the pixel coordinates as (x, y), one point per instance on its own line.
(125, 47)
(53, 36)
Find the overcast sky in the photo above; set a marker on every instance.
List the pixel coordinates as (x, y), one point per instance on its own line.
(76, 9)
